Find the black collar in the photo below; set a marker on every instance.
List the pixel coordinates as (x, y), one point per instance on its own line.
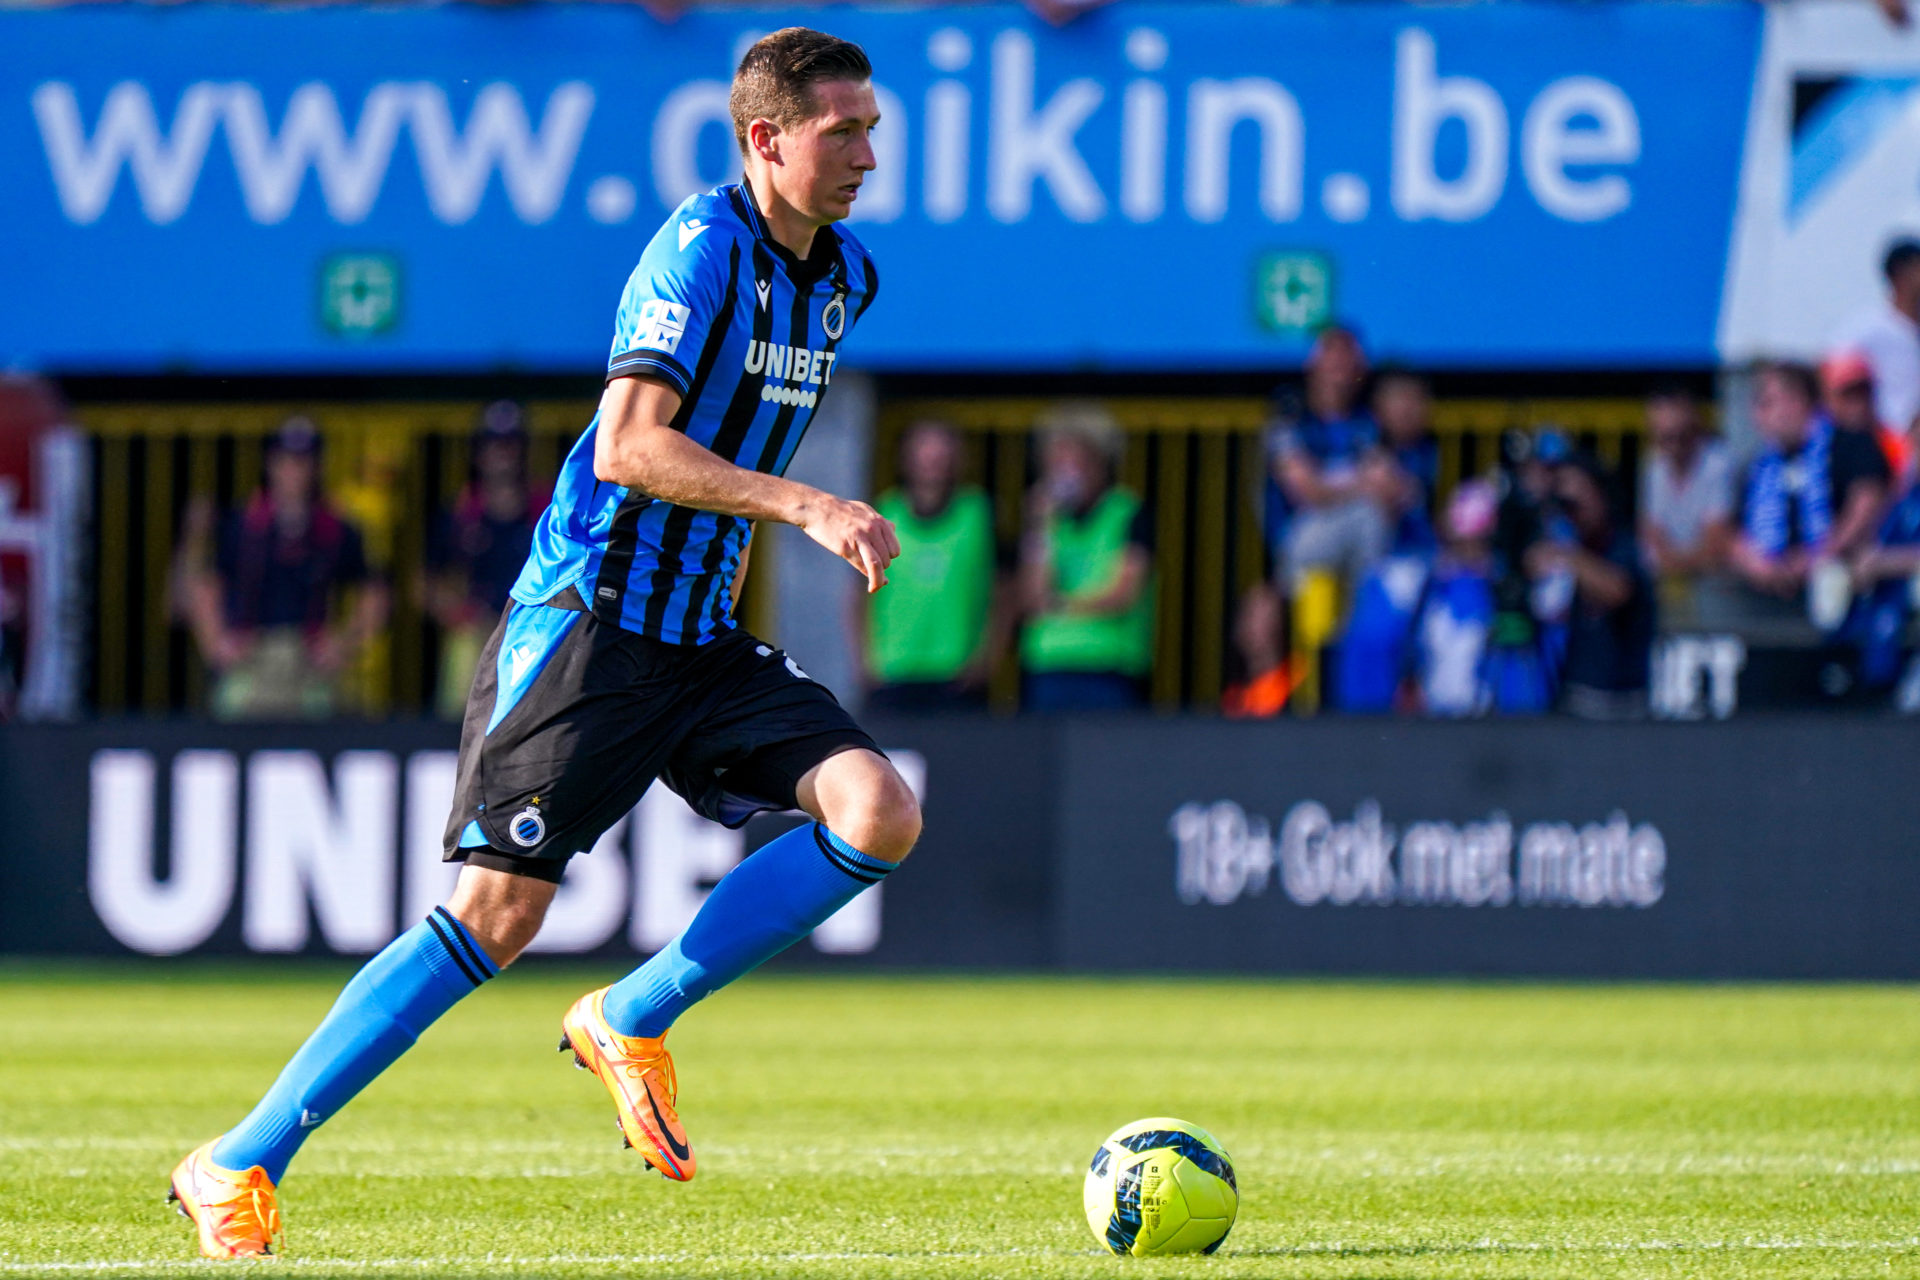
(822, 259)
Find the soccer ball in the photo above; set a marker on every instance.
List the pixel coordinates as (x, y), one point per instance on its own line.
(1161, 1186)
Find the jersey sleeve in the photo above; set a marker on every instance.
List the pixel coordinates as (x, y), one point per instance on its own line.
(672, 301)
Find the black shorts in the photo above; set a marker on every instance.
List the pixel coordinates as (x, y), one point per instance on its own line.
(571, 719)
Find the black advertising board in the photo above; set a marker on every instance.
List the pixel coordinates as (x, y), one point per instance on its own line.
(1766, 847)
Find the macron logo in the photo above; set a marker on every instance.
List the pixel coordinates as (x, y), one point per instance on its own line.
(765, 289)
(518, 661)
(690, 230)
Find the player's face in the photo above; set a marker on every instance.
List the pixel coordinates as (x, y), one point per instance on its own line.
(826, 158)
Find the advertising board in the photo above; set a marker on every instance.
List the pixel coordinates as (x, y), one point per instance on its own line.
(1771, 847)
(246, 187)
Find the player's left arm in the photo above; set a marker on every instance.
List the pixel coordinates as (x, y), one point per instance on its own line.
(637, 447)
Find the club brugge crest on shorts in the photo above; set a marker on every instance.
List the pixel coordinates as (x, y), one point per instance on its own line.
(834, 318)
(528, 828)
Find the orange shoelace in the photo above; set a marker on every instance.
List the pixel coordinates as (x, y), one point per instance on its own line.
(250, 1209)
(664, 1064)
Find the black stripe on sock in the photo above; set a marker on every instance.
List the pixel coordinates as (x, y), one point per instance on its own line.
(440, 932)
(866, 875)
(481, 960)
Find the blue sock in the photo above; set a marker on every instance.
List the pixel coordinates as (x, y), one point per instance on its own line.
(759, 909)
(421, 974)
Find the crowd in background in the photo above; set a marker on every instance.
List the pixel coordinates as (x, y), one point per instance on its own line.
(280, 599)
(1537, 586)
(1533, 588)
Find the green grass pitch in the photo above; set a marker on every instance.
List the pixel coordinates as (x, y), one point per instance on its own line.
(912, 1127)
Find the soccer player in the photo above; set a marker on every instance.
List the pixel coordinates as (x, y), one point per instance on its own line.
(619, 660)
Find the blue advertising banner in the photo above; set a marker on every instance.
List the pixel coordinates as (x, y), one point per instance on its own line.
(1157, 186)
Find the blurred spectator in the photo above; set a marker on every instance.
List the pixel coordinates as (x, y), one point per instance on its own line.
(264, 613)
(1402, 472)
(1610, 620)
(1888, 335)
(1814, 495)
(1454, 619)
(1686, 498)
(1846, 393)
(1886, 583)
(1528, 638)
(1885, 576)
(1323, 514)
(926, 636)
(478, 547)
(1268, 674)
(1417, 639)
(1368, 663)
(1085, 572)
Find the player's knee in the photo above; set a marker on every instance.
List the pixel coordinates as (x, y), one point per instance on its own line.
(882, 819)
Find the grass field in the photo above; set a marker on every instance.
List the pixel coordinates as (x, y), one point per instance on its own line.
(932, 1128)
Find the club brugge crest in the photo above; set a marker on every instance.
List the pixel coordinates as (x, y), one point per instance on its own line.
(528, 828)
(834, 318)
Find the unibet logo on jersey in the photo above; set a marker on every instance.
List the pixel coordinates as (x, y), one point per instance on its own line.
(798, 366)
(662, 324)
(795, 364)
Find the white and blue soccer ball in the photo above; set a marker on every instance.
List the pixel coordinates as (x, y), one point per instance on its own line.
(1161, 1186)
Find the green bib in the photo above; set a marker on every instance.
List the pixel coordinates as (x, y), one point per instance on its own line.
(928, 621)
(1087, 557)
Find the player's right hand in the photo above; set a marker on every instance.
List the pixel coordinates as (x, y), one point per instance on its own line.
(857, 534)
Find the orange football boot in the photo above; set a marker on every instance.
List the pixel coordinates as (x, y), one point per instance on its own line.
(638, 1072)
(236, 1214)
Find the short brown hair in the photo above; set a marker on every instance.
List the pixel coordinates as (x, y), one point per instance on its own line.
(775, 80)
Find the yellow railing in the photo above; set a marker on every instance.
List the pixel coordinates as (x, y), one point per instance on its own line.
(391, 465)
(1201, 464)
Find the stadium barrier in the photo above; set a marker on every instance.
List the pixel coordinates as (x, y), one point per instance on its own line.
(1201, 466)
(1778, 848)
(391, 465)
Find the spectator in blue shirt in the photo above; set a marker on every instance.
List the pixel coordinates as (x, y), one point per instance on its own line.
(1405, 466)
(1418, 635)
(1884, 574)
(1814, 494)
(1323, 512)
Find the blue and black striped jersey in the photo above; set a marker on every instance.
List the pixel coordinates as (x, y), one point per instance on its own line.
(749, 335)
